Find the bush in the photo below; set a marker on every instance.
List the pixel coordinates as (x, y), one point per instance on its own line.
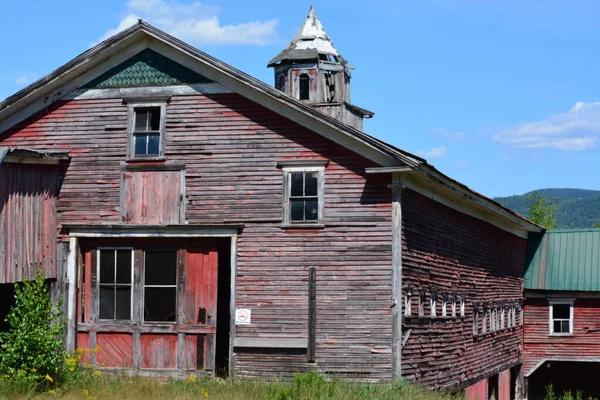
(32, 350)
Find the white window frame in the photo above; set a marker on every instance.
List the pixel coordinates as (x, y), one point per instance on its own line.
(131, 285)
(551, 304)
(303, 166)
(134, 104)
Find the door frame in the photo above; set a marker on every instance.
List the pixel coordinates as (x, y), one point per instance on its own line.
(78, 232)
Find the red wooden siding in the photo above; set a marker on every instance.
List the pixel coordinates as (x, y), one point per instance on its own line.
(159, 351)
(449, 251)
(114, 350)
(539, 345)
(151, 197)
(230, 147)
(504, 385)
(477, 391)
(27, 221)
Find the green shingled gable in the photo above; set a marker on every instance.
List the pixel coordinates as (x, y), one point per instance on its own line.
(147, 68)
(564, 259)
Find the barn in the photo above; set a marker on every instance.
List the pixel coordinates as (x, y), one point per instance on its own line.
(202, 221)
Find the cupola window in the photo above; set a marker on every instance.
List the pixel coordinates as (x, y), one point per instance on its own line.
(304, 83)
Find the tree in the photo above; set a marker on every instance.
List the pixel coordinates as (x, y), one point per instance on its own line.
(540, 211)
(596, 225)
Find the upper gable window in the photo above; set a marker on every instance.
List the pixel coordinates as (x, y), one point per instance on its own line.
(146, 130)
(303, 194)
(561, 317)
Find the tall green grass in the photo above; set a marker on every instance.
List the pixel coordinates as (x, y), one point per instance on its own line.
(308, 386)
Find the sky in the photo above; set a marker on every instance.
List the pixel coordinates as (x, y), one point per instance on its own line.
(501, 95)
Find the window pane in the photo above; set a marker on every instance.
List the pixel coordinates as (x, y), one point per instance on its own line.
(311, 210)
(297, 210)
(140, 144)
(297, 184)
(304, 87)
(123, 266)
(154, 119)
(159, 304)
(310, 188)
(141, 119)
(123, 302)
(107, 266)
(107, 302)
(561, 311)
(565, 326)
(161, 268)
(153, 144)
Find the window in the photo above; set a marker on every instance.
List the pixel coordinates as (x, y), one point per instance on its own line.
(303, 194)
(561, 317)
(281, 82)
(160, 286)
(304, 87)
(114, 277)
(146, 130)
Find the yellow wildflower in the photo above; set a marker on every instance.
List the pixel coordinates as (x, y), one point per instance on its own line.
(204, 393)
(49, 378)
(85, 392)
(52, 392)
(191, 379)
(95, 349)
(96, 374)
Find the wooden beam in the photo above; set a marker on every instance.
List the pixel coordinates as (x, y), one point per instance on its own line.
(271, 343)
(396, 277)
(72, 295)
(232, 305)
(312, 313)
(388, 170)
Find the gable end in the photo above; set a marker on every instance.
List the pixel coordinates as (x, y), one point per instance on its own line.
(147, 68)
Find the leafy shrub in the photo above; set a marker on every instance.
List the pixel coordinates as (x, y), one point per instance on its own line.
(32, 350)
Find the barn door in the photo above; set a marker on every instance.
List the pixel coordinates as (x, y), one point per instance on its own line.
(149, 307)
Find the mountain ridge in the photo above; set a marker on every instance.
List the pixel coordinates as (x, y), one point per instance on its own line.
(575, 208)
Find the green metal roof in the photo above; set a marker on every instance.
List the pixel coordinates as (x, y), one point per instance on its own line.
(564, 259)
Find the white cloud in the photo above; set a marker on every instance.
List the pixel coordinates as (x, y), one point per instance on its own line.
(196, 23)
(25, 79)
(574, 130)
(436, 152)
(452, 137)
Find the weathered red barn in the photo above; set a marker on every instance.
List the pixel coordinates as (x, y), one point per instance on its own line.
(214, 223)
(562, 319)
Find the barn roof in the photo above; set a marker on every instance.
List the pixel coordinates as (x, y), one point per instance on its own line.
(96, 61)
(564, 260)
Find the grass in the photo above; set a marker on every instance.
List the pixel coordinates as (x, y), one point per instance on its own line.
(309, 386)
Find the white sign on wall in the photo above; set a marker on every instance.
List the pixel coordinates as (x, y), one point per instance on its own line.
(243, 316)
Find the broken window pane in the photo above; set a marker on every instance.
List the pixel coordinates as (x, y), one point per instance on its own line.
(161, 268)
(297, 188)
(311, 212)
(310, 185)
(160, 304)
(107, 302)
(107, 266)
(561, 311)
(123, 266)
(141, 119)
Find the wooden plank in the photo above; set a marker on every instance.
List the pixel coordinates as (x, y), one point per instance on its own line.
(312, 313)
(396, 277)
(272, 343)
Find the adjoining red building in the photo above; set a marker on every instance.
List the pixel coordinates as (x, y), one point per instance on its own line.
(562, 312)
(211, 223)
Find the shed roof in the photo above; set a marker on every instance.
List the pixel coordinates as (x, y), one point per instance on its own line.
(21, 153)
(564, 259)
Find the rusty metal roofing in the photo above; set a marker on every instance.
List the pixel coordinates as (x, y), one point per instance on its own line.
(564, 259)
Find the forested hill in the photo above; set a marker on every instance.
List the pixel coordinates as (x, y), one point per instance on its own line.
(575, 208)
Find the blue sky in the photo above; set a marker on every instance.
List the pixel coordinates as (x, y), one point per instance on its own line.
(502, 95)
